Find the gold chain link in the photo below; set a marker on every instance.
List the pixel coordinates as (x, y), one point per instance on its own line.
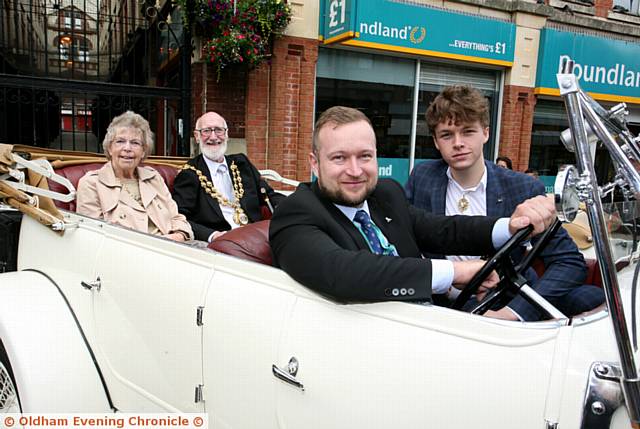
(239, 217)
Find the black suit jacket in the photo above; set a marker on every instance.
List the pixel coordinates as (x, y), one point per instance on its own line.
(203, 211)
(318, 246)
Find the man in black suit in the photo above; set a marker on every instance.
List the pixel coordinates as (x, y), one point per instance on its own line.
(321, 238)
(218, 192)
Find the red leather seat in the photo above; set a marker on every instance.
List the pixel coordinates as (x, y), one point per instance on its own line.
(75, 172)
(251, 242)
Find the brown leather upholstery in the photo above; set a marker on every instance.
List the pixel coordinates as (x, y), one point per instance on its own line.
(75, 172)
(251, 242)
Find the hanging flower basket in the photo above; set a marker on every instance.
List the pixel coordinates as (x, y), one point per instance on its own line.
(239, 33)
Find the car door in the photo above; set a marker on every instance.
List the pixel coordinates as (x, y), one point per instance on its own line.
(406, 365)
(150, 343)
(246, 311)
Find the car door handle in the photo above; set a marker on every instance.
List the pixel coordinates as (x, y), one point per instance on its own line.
(96, 284)
(288, 376)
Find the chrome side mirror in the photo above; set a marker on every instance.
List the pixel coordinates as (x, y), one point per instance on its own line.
(566, 193)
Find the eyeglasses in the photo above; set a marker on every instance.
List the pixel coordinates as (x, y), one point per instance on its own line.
(206, 132)
(136, 144)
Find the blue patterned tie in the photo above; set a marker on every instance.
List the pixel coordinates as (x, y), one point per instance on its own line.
(369, 231)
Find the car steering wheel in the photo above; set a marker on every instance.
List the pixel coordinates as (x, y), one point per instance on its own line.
(511, 278)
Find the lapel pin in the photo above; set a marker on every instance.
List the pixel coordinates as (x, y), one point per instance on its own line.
(388, 219)
(499, 200)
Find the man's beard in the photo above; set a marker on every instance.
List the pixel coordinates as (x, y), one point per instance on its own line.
(214, 152)
(336, 196)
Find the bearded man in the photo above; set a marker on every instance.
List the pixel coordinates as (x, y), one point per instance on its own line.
(355, 238)
(218, 192)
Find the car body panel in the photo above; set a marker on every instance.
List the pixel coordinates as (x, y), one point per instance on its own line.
(362, 365)
(52, 364)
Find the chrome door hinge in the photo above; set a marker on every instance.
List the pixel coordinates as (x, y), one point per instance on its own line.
(199, 393)
(96, 284)
(603, 396)
(199, 312)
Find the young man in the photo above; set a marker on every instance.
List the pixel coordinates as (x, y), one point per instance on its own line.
(463, 183)
(218, 192)
(354, 238)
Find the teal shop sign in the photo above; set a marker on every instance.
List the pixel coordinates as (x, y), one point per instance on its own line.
(607, 69)
(394, 168)
(549, 183)
(416, 29)
(339, 22)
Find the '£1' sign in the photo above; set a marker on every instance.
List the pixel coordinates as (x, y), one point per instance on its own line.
(336, 13)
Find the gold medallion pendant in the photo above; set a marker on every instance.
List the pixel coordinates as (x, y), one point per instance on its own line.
(239, 217)
(463, 204)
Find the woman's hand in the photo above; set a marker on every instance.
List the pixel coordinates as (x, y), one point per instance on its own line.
(175, 236)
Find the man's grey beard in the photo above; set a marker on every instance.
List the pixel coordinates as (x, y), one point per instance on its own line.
(214, 153)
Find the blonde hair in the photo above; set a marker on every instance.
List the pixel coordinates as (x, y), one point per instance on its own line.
(336, 115)
(129, 119)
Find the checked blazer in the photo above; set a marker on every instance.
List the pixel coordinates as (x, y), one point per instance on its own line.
(565, 269)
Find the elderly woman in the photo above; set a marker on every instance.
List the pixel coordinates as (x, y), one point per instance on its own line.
(124, 193)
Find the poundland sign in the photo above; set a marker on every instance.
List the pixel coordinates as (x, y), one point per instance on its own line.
(613, 77)
(417, 29)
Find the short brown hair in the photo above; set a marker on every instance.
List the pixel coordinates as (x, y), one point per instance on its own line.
(336, 115)
(458, 104)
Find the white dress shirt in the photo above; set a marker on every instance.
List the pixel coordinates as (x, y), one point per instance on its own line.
(221, 179)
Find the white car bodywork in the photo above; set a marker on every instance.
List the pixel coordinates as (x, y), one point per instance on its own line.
(105, 319)
(376, 365)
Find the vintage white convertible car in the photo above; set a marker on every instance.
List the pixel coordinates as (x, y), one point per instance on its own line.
(102, 319)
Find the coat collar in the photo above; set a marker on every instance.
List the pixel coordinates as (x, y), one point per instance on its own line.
(107, 176)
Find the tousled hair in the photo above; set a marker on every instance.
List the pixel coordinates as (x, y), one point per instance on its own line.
(129, 119)
(336, 116)
(460, 104)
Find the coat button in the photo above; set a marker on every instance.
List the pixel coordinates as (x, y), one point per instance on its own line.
(403, 291)
(387, 292)
(395, 292)
(411, 291)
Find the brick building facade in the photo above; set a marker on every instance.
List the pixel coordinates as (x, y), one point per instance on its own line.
(271, 109)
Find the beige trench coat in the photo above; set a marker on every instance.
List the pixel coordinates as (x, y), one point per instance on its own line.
(101, 196)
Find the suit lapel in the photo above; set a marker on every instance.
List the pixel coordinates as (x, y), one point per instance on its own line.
(495, 193)
(382, 215)
(439, 194)
(213, 203)
(342, 220)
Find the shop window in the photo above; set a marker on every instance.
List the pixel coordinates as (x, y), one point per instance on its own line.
(434, 78)
(547, 153)
(382, 88)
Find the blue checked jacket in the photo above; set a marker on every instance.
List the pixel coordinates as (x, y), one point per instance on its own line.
(565, 268)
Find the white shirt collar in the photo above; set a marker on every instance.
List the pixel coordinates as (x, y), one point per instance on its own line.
(350, 212)
(481, 186)
(213, 165)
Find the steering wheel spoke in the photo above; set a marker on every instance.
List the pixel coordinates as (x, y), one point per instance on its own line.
(512, 281)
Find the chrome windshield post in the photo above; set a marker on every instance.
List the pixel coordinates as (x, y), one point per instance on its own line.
(582, 116)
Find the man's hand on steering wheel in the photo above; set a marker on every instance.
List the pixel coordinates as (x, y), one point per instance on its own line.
(464, 271)
(540, 212)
